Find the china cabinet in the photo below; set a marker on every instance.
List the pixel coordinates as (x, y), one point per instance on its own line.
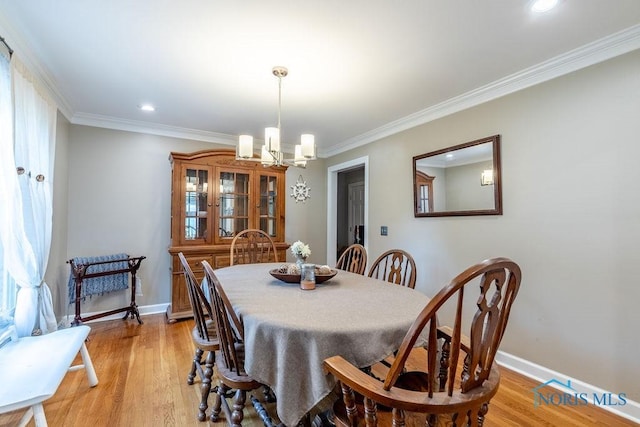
(214, 197)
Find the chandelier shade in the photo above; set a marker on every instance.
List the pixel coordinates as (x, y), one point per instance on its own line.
(271, 153)
(245, 146)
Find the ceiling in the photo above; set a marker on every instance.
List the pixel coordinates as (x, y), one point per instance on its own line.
(358, 69)
(458, 156)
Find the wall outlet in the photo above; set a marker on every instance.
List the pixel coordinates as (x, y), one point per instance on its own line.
(384, 230)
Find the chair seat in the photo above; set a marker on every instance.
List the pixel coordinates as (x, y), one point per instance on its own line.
(212, 344)
(233, 379)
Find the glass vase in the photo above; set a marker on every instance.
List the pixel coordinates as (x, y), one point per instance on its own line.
(299, 261)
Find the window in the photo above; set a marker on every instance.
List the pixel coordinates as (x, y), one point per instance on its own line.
(8, 287)
(424, 189)
(8, 290)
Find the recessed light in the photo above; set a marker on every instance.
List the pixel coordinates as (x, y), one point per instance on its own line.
(543, 5)
(147, 107)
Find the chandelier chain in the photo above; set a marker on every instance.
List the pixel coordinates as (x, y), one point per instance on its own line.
(279, 102)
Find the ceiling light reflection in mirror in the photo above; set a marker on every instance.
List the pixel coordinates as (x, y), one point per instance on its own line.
(461, 180)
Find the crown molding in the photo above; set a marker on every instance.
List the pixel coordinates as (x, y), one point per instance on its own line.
(601, 50)
(116, 123)
(109, 122)
(23, 51)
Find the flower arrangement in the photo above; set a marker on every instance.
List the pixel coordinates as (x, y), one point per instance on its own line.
(300, 250)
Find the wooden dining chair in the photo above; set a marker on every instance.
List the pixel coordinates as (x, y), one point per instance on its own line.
(395, 266)
(252, 246)
(460, 377)
(353, 259)
(230, 360)
(203, 335)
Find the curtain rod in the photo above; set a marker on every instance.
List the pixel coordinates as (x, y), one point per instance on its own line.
(4, 42)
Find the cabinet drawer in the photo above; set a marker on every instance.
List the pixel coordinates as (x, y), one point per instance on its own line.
(195, 262)
(221, 261)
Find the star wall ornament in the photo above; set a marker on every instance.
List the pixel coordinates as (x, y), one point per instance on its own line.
(300, 191)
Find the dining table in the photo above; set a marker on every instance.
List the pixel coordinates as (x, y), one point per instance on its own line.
(289, 332)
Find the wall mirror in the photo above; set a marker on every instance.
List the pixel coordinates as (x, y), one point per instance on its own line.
(459, 181)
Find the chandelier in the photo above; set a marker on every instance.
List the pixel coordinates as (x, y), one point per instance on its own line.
(271, 154)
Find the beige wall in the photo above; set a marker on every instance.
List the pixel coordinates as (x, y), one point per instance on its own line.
(119, 201)
(571, 219)
(119, 188)
(307, 220)
(464, 191)
(57, 271)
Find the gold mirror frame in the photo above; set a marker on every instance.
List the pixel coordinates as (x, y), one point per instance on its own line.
(427, 181)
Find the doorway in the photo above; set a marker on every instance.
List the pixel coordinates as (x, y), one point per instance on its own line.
(356, 212)
(347, 206)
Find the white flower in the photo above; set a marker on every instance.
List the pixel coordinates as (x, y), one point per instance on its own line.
(300, 249)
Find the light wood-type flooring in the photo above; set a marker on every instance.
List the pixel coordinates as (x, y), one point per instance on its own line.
(143, 369)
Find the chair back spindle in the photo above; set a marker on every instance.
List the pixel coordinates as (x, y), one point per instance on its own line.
(252, 246)
(353, 259)
(395, 266)
(199, 303)
(230, 330)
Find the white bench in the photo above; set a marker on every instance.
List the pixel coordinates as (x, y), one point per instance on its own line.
(32, 368)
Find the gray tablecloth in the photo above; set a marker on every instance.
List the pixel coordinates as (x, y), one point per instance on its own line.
(289, 331)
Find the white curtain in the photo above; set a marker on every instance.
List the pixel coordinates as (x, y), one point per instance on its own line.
(7, 173)
(26, 236)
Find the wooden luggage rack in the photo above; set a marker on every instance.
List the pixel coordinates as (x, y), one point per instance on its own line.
(79, 273)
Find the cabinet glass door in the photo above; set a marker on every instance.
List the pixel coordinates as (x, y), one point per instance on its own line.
(233, 206)
(268, 204)
(196, 198)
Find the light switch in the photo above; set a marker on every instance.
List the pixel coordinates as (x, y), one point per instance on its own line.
(384, 230)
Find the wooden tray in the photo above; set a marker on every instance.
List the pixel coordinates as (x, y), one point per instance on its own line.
(295, 278)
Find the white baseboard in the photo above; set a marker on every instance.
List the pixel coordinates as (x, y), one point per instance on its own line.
(143, 310)
(630, 410)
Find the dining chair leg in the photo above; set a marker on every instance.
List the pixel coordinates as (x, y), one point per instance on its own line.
(269, 395)
(324, 419)
(307, 422)
(217, 403)
(238, 408)
(206, 385)
(197, 360)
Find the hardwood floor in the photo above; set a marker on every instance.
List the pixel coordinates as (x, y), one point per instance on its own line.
(143, 369)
